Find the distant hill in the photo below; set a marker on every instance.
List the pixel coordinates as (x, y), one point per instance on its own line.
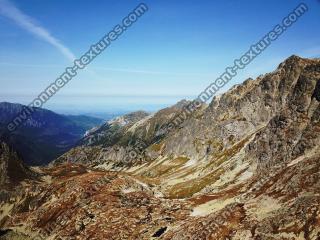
(45, 135)
(86, 122)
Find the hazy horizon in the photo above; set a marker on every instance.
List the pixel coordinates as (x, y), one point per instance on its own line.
(103, 104)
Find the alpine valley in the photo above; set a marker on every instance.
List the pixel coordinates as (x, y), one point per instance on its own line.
(244, 167)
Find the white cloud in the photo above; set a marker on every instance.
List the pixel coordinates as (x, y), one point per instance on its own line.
(10, 11)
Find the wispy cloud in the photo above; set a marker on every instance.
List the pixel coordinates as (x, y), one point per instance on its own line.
(10, 11)
(311, 52)
(139, 71)
(101, 68)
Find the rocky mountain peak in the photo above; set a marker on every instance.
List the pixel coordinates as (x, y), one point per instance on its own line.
(129, 118)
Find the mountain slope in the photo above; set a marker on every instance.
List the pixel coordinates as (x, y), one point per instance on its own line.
(116, 146)
(12, 168)
(86, 122)
(109, 138)
(255, 127)
(43, 137)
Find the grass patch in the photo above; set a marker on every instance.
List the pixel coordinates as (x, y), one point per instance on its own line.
(157, 147)
(190, 187)
(167, 166)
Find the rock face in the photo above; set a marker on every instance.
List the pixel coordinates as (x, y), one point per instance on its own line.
(12, 168)
(246, 167)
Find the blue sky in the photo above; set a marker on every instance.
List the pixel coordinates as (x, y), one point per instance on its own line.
(174, 51)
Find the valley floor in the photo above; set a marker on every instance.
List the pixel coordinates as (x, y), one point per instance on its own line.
(74, 202)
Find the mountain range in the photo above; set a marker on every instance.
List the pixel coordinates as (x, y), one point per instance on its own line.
(246, 166)
(45, 135)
